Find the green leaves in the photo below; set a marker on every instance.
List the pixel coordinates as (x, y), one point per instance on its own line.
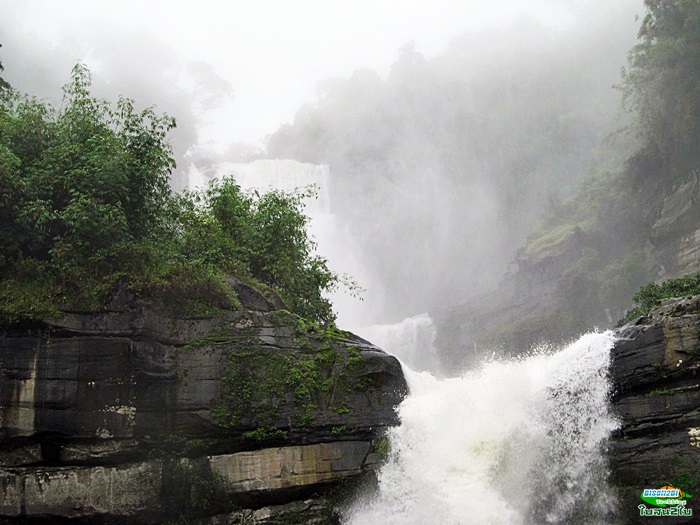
(649, 296)
(85, 196)
(82, 187)
(662, 81)
(268, 235)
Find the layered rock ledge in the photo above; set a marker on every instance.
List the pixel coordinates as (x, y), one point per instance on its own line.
(656, 373)
(136, 416)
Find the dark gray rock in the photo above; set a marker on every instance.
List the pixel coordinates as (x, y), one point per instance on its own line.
(673, 248)
(97, 411)
(312, 511)
(656, 372)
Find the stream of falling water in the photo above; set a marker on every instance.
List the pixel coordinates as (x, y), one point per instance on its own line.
(514, 442)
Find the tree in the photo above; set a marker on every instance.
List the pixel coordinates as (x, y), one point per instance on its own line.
(83, 187)
(269, 233)
(86, 209)
(662, 81)
(3, 83)
(94, 178)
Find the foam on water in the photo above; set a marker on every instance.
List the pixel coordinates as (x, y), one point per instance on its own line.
(515, 442)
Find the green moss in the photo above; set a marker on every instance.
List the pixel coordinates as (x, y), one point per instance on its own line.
(213, 339)
(327, 384)
(255, 386)
(336, 431)
(548, 239)
(306, 416)
(327, 355)
(303, 378)
(650, 296)
(309, 328)
(687, 483)
(384, 447)
(283, 318)
(259, 381)
(263, 434)
(226, 334)
(660, 392)
(354, 357)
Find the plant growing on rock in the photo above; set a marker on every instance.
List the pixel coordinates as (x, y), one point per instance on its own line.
(650, 295)
(86, 210)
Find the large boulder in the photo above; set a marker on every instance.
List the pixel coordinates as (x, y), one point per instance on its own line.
(656, 373)
(134, 415)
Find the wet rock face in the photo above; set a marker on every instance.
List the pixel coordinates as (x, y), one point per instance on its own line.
(673, 248)
(656, 372)
(103, 417)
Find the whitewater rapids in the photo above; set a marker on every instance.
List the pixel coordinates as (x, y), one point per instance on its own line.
(516, 442)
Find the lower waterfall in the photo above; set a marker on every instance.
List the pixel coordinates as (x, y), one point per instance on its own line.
(513, 442)
(517, 442)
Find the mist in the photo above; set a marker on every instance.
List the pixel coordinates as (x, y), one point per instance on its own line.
(123, 61)
(442, 168)
(501, 181)
(441, 161)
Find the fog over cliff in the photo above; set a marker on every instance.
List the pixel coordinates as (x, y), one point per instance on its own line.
(443, 167)
(441, 163)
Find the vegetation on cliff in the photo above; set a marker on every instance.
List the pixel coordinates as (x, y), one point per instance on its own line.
(649, 296)
(615, 209)
(662, 86)
(453, 157)
(86, 210)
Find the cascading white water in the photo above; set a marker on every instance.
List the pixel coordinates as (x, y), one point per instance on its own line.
(267, 174)
(412, 341)
(513, 443)
(285, 175)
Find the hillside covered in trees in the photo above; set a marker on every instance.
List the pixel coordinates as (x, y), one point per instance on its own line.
(87, 212)
(640, 222)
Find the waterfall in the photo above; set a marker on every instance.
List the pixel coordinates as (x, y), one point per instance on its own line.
(286, 175)
(268, 174)
(412, 341)
(516, 442)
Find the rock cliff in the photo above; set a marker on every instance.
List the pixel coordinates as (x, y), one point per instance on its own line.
(567, 281)
(134, 415)
(656, 373)
(521, 312)
(673, 246)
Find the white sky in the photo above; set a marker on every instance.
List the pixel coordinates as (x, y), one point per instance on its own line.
(272, 52)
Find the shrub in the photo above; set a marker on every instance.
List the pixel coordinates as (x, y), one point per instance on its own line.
(650, 295)
(85, 201)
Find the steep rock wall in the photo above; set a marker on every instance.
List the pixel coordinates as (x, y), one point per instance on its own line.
(673, 246)
(136, 416)
(656, 373)
(550, 294)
